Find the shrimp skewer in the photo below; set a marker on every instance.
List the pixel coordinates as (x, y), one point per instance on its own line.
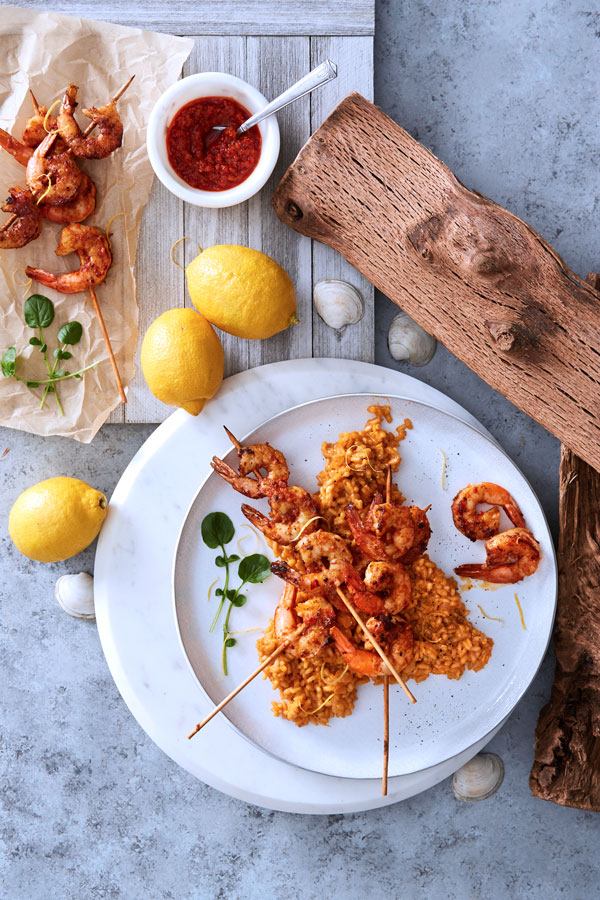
(511, 557)
(390, 532)
(479, 526)
(253, 460)
(317, 615)
(61, 173)
(293, 513)
(106, 118)
(326, 558)
(35, 131)
(91, 245)
(26, 222)
(399, 644)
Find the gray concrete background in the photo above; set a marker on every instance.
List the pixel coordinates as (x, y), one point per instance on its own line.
(506, 94)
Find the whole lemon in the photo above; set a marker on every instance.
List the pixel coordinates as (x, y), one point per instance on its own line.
(242, 291)
(56, 519)
(182, 359)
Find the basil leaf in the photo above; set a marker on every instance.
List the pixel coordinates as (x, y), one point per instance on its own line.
(254, 568)
(217, 529)
(70, 333)
(9, 362)
(35, 342)
(38, 311)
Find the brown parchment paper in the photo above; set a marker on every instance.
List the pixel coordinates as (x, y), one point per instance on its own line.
(44, 52)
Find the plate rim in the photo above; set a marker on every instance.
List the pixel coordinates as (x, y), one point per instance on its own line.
(489, 439)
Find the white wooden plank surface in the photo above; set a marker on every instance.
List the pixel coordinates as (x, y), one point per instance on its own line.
(206, 227)
(224, 17)
(354, 58)
(265, 231)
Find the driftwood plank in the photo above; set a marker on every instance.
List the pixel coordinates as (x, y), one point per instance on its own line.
(225, 17)
(354, 58)
(567, 753)
(159, 286)
(265, 232)
(471, 273)
(206, 227)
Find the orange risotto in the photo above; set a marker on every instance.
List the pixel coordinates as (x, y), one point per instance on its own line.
(316, 688)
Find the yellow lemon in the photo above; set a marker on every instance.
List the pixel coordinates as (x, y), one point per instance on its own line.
(182, 359)
(56, 519)
(242, 291)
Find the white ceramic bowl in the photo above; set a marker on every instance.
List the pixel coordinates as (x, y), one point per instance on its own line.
(210, 84)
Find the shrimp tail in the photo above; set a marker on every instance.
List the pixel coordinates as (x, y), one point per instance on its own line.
(362, 598)
(258, 519)
(284, 571)
(246, 486)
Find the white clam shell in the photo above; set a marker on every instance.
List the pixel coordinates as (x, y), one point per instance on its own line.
(479, 778)
(75, 594)
(409, 342)
(338, 303)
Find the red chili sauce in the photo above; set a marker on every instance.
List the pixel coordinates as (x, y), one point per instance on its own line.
(212, 161)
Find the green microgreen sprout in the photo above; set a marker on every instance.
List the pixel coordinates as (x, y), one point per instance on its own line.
(38, 313)
(217, 530)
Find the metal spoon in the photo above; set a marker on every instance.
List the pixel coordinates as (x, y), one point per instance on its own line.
(327, 71)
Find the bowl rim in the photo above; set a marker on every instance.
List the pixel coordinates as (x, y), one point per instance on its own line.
(165, 108)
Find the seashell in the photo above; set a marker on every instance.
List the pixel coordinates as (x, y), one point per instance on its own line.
(409, 342)
(75, 594)
(479, 778)
(338, 303)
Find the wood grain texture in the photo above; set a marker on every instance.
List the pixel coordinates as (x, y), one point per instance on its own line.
(566, 769)
(226, 17)
(472, 274)
(206, 227)
(354, 58)
(265, 232)
(159, 286)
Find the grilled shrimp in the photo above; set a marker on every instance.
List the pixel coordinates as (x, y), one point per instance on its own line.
(56, 177)
(34, 131)
(21, 152)
(511, 557)
(28, 224)
(108, 125)
(91, 245)
(326, 558)
(390, 532)
(79, 208)
(391, 582)
(396, 639)
(292, 509)
(479, 526)
(254, 460)
(315, 613)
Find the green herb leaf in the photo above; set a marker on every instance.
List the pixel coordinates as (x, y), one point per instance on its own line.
(233, 558)
(76, 375)
(254, 568)
(59, 372)
(231, 594)
(230, 642)
(219, 592)
(38, 311)
(33, 384)
(220, 561)
(9, 362)
(43, 348)
(239, 600)
(70, 333)
(35, 342)
(217, 529)
(64, 354)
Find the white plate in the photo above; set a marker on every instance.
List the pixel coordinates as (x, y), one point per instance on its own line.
(449, 716)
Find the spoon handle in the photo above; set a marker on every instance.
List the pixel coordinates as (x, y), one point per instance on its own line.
(327, 71)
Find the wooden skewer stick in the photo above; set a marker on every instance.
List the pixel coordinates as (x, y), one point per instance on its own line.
(108, 344)
(240, 687)
(386, 733)
(87, 131)
(375, 644)
(386, 680)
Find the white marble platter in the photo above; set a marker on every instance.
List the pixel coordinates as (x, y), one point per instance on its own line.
(133, 590)
(448, 716)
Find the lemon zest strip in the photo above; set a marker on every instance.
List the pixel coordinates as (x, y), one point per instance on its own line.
(306, 524)
(45, 122)
(524, 626)
(107, 229)
(339, 678)
(312, 712)
(211, 587)
(26, 285)
(369, 464)
(493, 618)
(173, 245)
(46, 192)
(243, 631)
